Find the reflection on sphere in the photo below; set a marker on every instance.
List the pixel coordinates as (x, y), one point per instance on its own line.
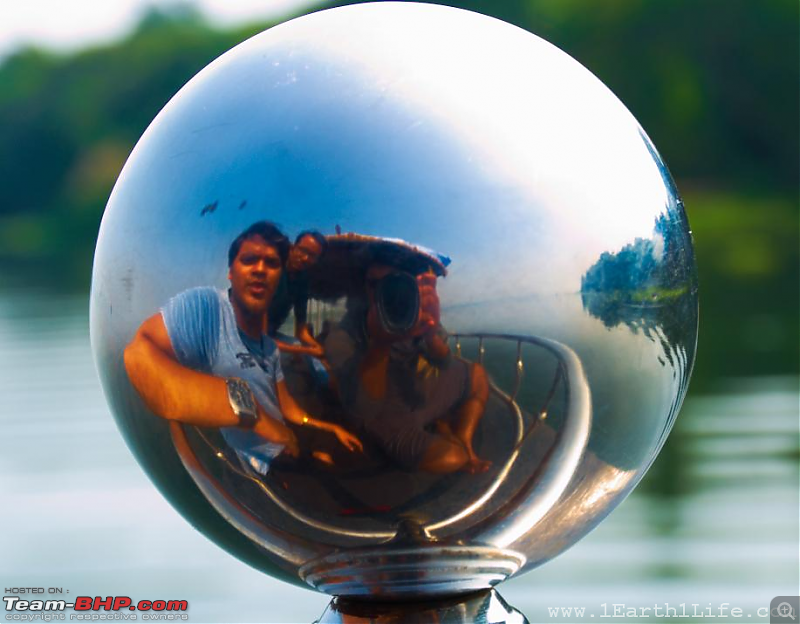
(382, 319)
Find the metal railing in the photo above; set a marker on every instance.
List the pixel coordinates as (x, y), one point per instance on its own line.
(510, 399)
(568, 449)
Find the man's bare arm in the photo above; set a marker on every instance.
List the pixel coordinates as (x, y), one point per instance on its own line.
(170, 389)
(176, 392)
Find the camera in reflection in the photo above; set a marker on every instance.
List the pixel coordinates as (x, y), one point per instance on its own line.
(397, 302)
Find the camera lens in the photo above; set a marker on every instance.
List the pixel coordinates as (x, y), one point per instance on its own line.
(398, 302)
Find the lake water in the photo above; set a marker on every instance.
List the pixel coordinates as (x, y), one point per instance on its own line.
(716, 520)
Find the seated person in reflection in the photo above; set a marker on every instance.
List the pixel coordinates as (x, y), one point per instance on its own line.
(403, 389)
(206, 358)
(292, 294)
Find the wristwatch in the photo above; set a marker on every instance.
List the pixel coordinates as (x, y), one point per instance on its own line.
(242, 402)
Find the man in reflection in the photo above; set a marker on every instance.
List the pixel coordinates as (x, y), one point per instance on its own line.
(403, 389)
(206, 358)
(292, 294)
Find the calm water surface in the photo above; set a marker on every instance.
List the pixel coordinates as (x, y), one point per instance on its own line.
(715, 521)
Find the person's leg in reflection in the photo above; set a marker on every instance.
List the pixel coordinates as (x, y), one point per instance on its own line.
(452, 448)
(470, 413)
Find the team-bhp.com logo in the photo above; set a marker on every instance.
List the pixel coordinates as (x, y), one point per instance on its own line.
(86, 603)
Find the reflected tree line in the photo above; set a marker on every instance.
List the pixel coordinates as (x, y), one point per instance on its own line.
(649, 286)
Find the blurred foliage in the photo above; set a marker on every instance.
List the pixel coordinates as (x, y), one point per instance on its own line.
(714, 82)
(68, 124)
(748, 261)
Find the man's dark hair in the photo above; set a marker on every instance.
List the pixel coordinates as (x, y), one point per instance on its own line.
(323, 242)
(266, 230)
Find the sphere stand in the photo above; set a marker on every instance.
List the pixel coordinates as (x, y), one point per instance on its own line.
(484, 607)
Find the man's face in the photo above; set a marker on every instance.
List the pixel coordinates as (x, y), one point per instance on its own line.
(254, 275)
(304, 254)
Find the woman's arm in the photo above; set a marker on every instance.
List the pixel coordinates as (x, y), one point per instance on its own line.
(301, 349)
(294, 414)
(303, 334)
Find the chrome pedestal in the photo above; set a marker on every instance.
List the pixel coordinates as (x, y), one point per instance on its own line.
(486, 607)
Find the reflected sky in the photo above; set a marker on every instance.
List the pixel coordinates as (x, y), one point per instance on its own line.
(313, 130)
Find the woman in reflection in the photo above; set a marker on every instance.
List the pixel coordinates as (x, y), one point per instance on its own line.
(292, 295)
(396, 378)
(206, 358)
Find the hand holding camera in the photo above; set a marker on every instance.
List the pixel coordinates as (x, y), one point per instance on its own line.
(429, 312)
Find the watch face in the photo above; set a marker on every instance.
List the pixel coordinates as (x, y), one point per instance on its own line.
(241, 396)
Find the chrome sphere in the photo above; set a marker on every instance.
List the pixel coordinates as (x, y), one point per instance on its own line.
(504, 314)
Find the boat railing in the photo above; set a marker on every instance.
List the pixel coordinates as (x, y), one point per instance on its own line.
(563, 358)
(540, 491)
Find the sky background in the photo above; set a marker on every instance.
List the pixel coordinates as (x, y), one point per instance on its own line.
(66, 26)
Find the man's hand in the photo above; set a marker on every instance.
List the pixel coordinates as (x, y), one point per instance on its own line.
(348, 440)
(291, 448)
(429, 317)
(276, 432)
(429, 308)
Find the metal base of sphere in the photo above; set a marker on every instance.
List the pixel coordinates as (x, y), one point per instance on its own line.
(486, 607)
(408, 573)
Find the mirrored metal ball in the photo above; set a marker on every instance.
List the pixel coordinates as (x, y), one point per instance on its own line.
(482, 355)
